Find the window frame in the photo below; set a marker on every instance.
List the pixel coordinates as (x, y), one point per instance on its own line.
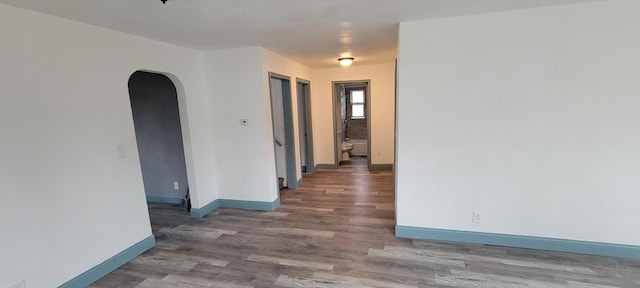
(363, 104)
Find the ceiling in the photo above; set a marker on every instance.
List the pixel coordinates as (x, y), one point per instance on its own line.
(312, 32)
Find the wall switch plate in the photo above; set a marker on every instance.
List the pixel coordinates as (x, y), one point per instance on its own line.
(476, 218)
(121, 152)
(19, 284)
(176, 186)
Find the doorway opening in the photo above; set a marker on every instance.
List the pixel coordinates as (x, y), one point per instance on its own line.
(158, 129)
(352, 120)
(284, 144)
(303, 89)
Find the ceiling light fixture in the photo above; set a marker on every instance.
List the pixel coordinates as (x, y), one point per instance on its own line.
(346, 61)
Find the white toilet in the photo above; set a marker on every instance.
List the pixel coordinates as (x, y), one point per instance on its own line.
(346, 147)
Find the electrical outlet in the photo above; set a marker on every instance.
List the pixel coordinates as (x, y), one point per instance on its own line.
(176, 186)
(476, 218)
(19, 284)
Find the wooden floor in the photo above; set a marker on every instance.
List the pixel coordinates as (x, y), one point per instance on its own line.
(337, 230)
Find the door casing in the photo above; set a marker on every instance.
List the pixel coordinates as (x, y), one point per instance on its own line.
(308, 123)
(367, 101)
(292, 181)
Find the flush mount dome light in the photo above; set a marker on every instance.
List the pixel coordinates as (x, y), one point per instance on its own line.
(345, 61)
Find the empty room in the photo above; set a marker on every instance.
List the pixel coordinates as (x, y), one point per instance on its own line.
(334, 143)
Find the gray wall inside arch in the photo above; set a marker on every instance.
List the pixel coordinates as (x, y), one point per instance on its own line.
(156, 118)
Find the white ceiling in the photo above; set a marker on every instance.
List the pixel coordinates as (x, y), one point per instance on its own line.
(312, 32)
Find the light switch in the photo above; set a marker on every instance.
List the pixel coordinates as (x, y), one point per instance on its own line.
(20, 284)
(121, 152)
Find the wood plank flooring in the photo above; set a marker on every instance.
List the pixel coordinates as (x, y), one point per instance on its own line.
(337, 230)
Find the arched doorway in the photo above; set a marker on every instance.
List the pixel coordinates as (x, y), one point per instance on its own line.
(156, 118)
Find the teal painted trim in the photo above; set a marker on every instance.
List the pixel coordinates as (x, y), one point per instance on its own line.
(111, 264)
(531, 242)
(204, 210)
(250, 205)
(326, 166)
(381, 167)
(304, 108)
(290, 151)
(238, 204)
(164, 199)
(276, 203)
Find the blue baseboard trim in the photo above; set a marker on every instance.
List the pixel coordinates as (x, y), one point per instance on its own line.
(531, 242)
(106, 267)
(238, 204)
(311, 169)
(250, 205)
(164, 199)
(206, 209)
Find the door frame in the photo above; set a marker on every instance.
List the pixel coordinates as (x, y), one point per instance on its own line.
(367, 103)
(395, 140)
(185, 134)
(308, 124)
(290, 150)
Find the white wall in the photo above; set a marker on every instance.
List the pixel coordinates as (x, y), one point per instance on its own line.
(382, 110)
(528, 117)
(244, 154)
(238, 88)
(68, 202)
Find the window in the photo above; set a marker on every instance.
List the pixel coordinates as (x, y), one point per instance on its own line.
(357, 104)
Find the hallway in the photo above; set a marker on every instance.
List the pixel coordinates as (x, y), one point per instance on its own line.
(337, 231)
